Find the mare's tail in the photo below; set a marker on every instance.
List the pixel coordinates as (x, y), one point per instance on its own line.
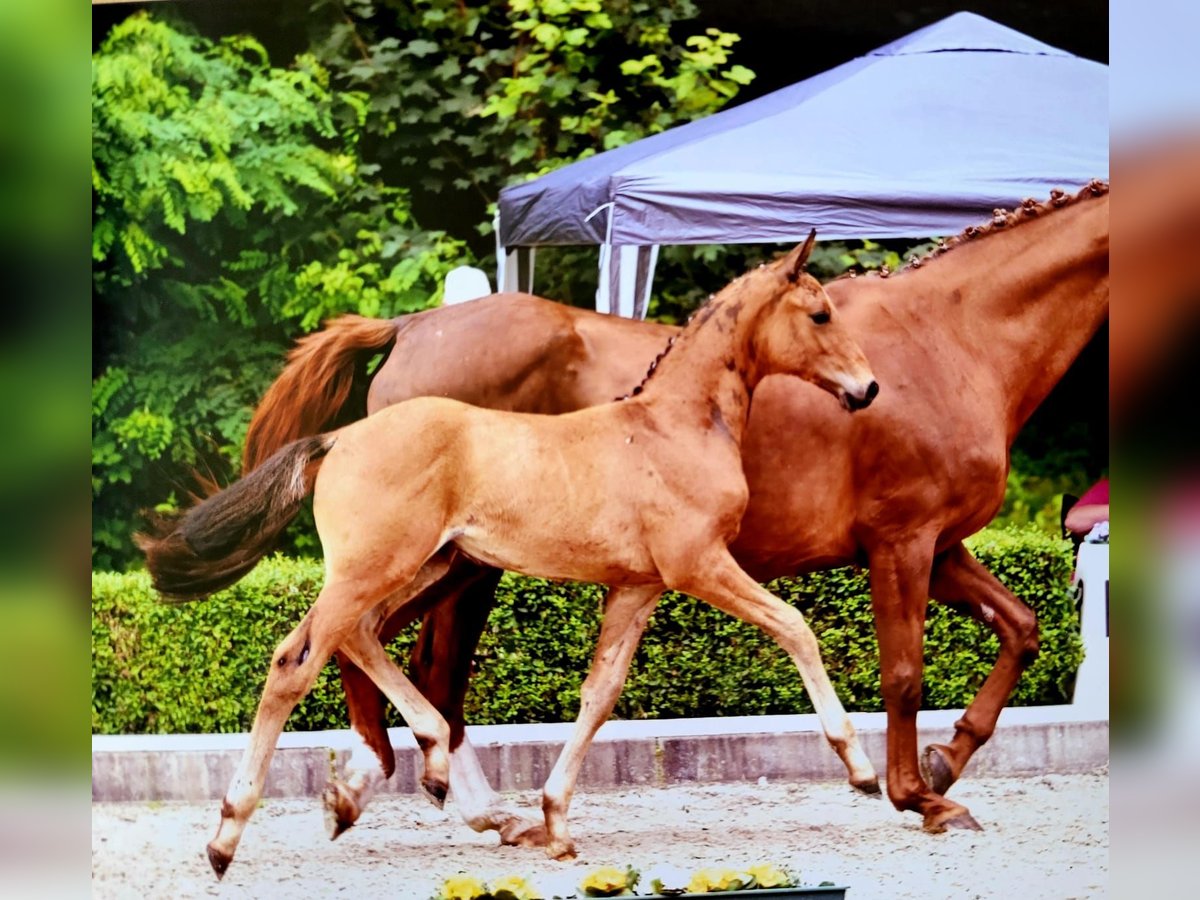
(321, 388)
(193, 553)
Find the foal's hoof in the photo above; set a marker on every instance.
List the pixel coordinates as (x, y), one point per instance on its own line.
(561, 850)
(219, 860)
(870, 788)
(341, 809)
(435, 791)
(519, 832)
(935, 768)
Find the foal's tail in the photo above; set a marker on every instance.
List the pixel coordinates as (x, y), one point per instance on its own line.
(214, 543)
(321, 388)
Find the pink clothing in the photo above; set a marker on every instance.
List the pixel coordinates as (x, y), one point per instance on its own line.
(1095, 495)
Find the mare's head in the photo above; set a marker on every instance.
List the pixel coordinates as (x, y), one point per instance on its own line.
(800, 333)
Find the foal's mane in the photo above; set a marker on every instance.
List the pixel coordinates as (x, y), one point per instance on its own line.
(699, 316)
(1001, 220)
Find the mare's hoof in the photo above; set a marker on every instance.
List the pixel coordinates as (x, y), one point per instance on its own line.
(935, 768)
(518, 832)
(870, 788)
(952, 821)
(963, 822)
(341, 810)
(219, 860)
(435, 791)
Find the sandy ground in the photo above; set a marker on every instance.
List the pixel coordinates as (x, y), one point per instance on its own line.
(1046, 838)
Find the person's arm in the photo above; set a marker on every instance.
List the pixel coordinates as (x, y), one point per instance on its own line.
(1082, 517)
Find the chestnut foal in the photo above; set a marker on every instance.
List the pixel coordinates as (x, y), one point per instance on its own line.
(643, 495)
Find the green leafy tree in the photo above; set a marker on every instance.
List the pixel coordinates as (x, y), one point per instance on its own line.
(231, 211)
(468, 97)
(476, 95)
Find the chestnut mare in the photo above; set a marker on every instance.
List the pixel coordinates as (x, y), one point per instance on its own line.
(643, 495)
(967, 344)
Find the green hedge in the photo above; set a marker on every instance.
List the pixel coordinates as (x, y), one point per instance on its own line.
(200, 667)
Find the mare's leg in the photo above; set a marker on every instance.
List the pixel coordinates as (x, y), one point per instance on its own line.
(372, 759)
(294, 667)
(899, 588)
(626, 612)
(719, 580)
(961, 582)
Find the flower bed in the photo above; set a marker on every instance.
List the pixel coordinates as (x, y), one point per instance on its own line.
(763, 881)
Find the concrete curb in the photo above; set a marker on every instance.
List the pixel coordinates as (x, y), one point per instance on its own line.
(1034, 740)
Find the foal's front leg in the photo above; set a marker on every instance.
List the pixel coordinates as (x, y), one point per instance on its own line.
(626, 612)
(716, 578)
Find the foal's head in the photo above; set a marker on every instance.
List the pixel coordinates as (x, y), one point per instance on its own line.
(800, 333)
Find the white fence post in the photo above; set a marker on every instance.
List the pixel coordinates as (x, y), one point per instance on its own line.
(1091, 682)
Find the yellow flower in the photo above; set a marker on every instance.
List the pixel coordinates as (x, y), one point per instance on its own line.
(769, 876)
(462, 887)
(709, 881)
(518, 887)
(608, 882)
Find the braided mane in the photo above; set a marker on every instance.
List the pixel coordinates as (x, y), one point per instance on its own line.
(1002, 220)
(654, 365)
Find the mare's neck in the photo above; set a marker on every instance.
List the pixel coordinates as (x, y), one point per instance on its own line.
(1023, 302)
(708, 377)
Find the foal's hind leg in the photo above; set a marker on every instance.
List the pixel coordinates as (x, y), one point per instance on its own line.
(456, 610)
(372, 760)
(719, 580)
(294, 667)
(626, 612)
(961, 582)
(429, 728)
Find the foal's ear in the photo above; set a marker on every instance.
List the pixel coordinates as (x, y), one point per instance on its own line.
(799, 256)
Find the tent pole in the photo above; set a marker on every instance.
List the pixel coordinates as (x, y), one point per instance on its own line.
(604, 292)
(532, 251)
(501, 259)
(646, 262)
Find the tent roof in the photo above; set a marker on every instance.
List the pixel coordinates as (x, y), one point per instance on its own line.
(920, 137)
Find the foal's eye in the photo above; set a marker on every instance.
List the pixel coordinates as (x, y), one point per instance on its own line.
(820, 318)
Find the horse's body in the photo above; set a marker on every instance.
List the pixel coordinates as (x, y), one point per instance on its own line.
(967, 346)
(643, 495)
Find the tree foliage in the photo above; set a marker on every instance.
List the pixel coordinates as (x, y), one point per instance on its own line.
(485, 94)
(231, 211)
(476, 95)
